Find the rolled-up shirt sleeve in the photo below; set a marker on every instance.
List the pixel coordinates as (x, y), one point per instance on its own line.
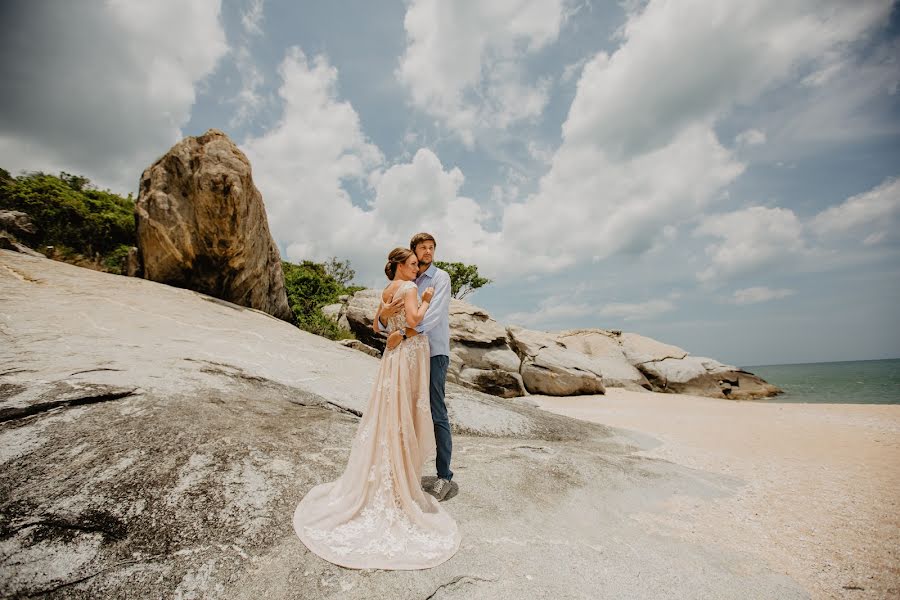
(440, 304)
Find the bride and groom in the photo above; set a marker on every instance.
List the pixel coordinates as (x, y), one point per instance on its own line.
(377, 515)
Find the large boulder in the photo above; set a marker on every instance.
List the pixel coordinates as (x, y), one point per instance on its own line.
(17, 223)
(703, 376)
(201, 224)
(640, 349)
(670, 369)
(606, 357)
(7, 242)
(548, 367)
(480, 356)
(360, 313)
(473, 326)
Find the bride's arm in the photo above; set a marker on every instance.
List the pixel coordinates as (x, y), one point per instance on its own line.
(375, 324)
(414, 310)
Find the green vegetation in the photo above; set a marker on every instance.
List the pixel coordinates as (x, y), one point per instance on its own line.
(464, 279)
(93, 228)
(310, 286)
(86, 226)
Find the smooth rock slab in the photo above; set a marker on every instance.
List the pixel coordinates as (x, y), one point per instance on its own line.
(185, 486)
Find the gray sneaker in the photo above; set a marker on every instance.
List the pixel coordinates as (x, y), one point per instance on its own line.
(440, 489)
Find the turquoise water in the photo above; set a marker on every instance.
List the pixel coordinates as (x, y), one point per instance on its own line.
(855, 382)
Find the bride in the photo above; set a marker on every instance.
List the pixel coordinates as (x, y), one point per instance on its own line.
(376, 515)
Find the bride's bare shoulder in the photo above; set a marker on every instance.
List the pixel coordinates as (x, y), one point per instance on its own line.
(388, 293)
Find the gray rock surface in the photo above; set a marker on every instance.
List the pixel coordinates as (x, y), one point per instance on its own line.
(514, 361)
(17, 223)
(671, 369)
(155, 441)
(8, 242)
(479, 355)
(548, 367)
(201, 224)
(360, 313)
(606, 357)
(358, 345)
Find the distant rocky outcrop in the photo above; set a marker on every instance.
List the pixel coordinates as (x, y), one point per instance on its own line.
(201, 224)
(671, 369)
(17, 223)
(513, 361)
(16, 226)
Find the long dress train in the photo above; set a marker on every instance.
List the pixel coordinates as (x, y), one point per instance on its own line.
(376, 515)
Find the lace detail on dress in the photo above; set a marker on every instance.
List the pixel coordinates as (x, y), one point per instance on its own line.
(398, 321)
(382, 528)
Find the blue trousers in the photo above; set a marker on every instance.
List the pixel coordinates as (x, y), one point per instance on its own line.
(443, 441)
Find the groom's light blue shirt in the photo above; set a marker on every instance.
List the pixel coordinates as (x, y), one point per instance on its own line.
(436, 323)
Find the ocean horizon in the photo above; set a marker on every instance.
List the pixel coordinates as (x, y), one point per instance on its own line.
(840, 382)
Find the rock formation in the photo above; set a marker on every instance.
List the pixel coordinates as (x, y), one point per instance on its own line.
(15, 227)
(671, 369)
(513, 361)
(154, 442)
(201, 224)
(480, 356)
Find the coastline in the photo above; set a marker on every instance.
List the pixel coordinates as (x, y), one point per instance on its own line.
(819, 484)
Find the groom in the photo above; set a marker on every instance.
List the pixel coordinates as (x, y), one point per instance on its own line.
(436, 325)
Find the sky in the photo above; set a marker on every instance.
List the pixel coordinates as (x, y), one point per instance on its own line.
(721, 176)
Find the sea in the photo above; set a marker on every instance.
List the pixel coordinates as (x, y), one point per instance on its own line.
(851, 382)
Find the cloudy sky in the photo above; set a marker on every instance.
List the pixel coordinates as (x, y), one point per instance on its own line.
(723, 176)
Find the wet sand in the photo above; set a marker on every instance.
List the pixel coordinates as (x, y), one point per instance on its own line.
(818, 494)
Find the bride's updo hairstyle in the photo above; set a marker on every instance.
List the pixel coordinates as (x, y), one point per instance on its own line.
(397, 256)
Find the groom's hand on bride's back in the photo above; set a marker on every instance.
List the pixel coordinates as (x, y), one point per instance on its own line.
(394, 340)
(391, 309)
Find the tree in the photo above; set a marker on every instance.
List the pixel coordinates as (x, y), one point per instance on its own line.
(309, 287)
(71, 215)
(340, 270)
(464, 279)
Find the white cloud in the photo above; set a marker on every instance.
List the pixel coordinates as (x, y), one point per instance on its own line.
(573, 69)
(551, 311)
(847, 99)
(252, 16)
(685, 63)
(750, 137)
(639, 150)
(463, 61)
(300, 164)
(590, 206)
(96, 90)
(877, 209)
(422, 196)
(750, 239)
(637, 311)
(755, 295)
(303, 164)
(249, 101)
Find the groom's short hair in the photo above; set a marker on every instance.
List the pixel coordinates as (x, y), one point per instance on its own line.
(419, 238)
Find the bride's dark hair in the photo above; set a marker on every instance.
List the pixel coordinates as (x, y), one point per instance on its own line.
(397, 256)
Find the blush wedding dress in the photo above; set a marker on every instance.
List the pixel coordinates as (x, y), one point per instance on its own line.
(376, 515)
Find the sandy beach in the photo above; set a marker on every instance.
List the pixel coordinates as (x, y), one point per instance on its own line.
(817, 493)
